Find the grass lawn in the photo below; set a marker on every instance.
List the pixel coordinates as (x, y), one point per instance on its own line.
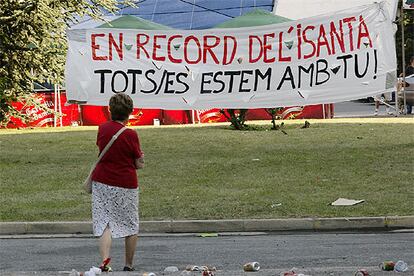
(213, 172)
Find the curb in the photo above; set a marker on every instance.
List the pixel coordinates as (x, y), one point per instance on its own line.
(234, 225)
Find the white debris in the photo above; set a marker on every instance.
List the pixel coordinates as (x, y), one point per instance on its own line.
(74, 273)
(93, 271)
(171, 269)
(346, 202)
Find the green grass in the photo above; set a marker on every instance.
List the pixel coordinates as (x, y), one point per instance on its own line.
(210, 172)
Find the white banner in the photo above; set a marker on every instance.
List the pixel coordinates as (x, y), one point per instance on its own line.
(331, 58)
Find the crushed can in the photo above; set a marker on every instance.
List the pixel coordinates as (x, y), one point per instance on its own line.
(400, 266)
(387, 266)
(362, 272)
(251, 267)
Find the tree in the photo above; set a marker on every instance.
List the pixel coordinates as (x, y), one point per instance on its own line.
(33, 43)
(273, 113)
(408, 21)
(237, 117)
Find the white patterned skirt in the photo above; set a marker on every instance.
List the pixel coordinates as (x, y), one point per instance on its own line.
(115, 207)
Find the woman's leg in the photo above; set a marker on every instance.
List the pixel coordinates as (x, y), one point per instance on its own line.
(105, 242)
(130, 246)
(377, 104)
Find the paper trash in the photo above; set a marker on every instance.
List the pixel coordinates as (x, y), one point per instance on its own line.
(346, 202)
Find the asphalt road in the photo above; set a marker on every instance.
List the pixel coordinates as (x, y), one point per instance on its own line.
(352, 109)
(356, 109)
(328, 253)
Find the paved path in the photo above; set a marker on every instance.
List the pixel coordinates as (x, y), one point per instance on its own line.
(314, 253)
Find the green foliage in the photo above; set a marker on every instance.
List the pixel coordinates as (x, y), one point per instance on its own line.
(33, 43)
(237, 117)
(273, 113)
(408, 20)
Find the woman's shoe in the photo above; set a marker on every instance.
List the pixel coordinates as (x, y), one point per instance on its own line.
(105, 265)
(127, 268)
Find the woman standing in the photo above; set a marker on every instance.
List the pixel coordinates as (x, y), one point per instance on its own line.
(115, 184)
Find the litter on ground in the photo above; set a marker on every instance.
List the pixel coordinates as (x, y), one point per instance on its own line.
(346, 202)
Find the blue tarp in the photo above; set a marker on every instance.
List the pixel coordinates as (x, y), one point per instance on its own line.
(190, 14)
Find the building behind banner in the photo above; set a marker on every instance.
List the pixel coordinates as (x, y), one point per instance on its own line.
(89, 115)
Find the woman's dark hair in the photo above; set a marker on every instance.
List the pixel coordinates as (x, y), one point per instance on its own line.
(120, 106)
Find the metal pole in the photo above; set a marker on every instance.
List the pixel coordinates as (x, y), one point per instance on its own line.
(241, 7)
(60, 106)
(403, 55)
(192, 16)
(274, 3)
(329, 111)
(55, 106)
(153, 12)
(323, 111)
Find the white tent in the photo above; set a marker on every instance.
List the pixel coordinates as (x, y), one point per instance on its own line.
(297, 9)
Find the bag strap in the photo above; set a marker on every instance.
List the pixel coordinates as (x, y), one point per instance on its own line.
(106, 148)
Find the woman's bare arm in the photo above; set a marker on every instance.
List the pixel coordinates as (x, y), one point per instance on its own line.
(139, 163)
